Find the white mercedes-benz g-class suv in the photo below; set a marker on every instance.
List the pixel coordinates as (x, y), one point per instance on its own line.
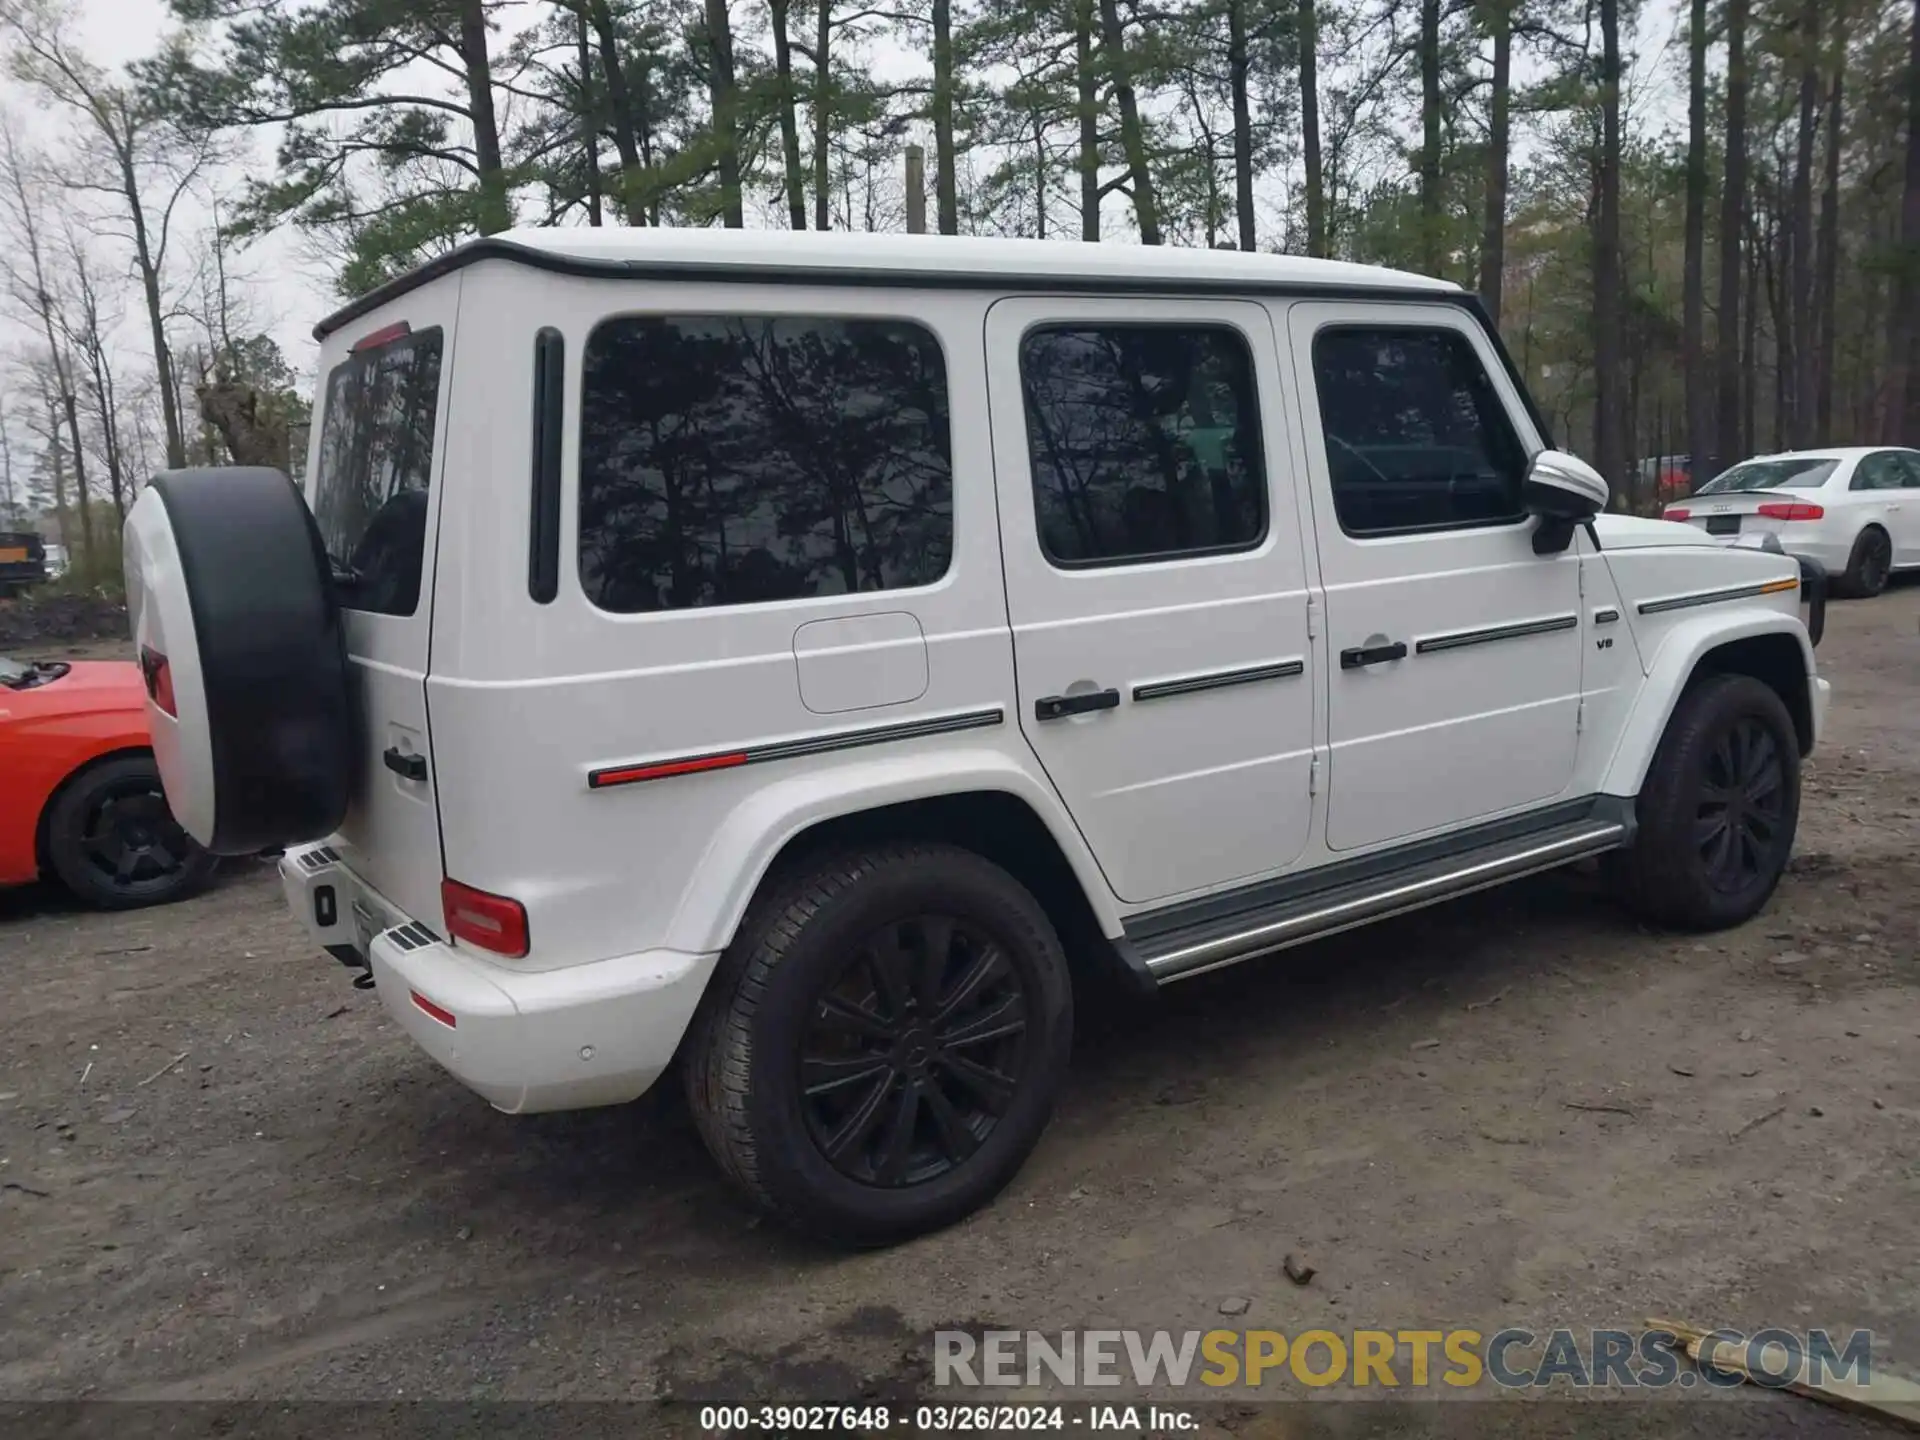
(801, 659)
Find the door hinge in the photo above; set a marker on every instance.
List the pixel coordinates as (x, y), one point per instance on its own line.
(1313, 607)
(1313, 776)
(1580, 569)
(1580, 717)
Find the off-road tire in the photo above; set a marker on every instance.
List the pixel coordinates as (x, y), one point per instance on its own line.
(1869, 565)
(1662, 879)
(741, 1063)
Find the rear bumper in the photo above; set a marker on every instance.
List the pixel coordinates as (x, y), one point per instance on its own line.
(594, 1034)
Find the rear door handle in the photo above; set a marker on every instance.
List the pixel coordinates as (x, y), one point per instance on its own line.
(1058, 707)
(1363, 655)
(406, 766)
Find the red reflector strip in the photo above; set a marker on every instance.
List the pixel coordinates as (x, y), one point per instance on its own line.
(632, 774)
(159, 677)
(382, 336)
(444, 1016)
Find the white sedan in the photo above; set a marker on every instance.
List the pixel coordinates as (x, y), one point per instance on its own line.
(1855, 510)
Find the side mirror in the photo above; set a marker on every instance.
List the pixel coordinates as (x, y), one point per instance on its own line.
(1563, 491)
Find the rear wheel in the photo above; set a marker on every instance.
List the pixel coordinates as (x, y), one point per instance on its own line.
(883, 1042)
(1718, 811)
(1869, 565)
(113, 842)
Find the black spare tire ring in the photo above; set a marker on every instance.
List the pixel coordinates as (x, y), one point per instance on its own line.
(266, 682)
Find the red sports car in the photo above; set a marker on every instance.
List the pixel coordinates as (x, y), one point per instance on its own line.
(80, 797)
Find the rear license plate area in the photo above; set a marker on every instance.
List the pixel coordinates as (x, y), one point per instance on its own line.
(1723, 524)
(13, 555)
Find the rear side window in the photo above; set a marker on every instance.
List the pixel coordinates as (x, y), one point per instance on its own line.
(1882, 471)
(1417, 438)
(728, 460)
(1143, 442)
(376, 460)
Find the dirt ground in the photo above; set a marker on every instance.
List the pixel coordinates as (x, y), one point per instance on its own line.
(224, 1175)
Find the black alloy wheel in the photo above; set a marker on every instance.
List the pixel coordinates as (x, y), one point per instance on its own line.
(1739, 826)
(113, 841)
(913, 1051)
(881, 1045)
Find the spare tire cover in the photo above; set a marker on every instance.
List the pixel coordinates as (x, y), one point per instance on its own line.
(240, 640)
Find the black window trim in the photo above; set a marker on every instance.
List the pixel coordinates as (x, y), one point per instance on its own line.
(549, 432)
(1466, 332)
(766, 312)
(311, 483)
(1007, 285)
(1155, 557)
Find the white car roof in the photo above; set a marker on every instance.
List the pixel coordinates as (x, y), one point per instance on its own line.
(1836, 452)
(843, 257)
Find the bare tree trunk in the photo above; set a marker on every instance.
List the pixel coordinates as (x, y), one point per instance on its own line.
(945, 184)
(589, 126)
(1315, 178)
(823, 118)
(1733, 207)
(789, 122)
(1430, 257)
(1907, 303)
(9, 500)
(1609, 449)
(1242, 122)
(725, 101)
(495, 214)
(620, 109)
(1693, 357)
(1039, 177)
(1087, 96)
(1747, 427)
(1801, 429)
(1493, 235)
(1828, 282)
(1133, 136)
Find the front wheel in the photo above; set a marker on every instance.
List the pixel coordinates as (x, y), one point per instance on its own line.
(882, 1044)
(1718, 810)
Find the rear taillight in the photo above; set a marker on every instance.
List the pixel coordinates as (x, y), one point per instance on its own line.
(1794, 510)
(493, 922)
(159, 677)
(1676, 512)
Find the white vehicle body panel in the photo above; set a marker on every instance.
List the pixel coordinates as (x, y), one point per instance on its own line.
(835, 705)
(1858, 494)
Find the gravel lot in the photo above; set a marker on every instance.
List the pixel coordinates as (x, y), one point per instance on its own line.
(1517, 1109)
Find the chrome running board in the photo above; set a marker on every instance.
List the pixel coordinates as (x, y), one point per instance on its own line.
(1192, 939)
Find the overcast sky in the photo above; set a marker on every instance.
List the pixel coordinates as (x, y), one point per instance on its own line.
(288, 292)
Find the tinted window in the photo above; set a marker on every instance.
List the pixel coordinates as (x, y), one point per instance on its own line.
(729, 459)
(1143, 440)
(376, 459)
(1416, 435)
(1801, 472)
(1885, 470)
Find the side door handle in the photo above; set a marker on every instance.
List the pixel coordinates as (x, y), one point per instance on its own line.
(1058, 707)
(1364, 655)
(406, 766)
